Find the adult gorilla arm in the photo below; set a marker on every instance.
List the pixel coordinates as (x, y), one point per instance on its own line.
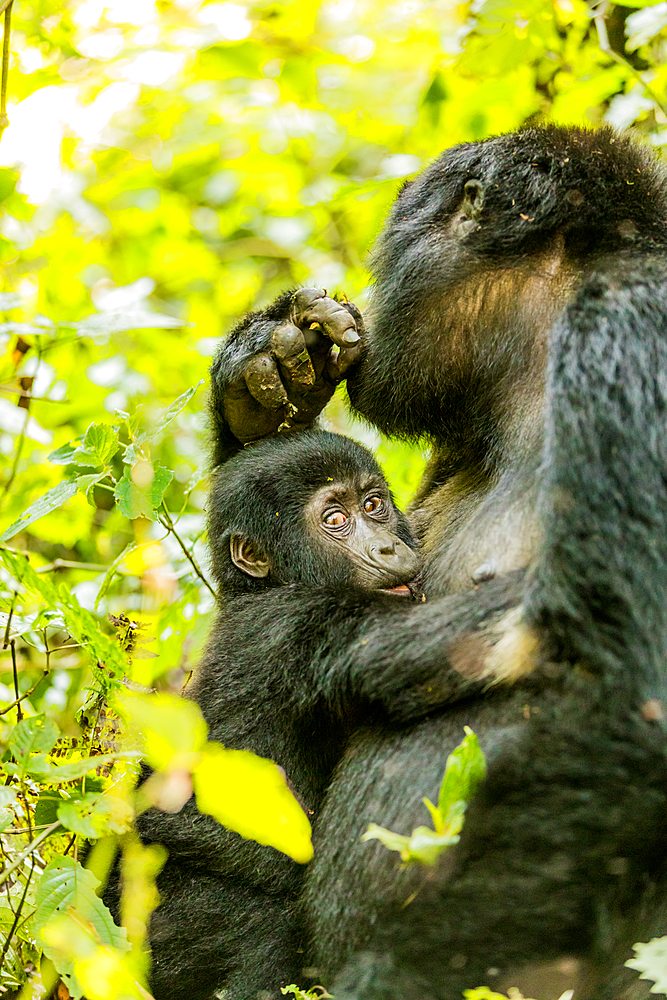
(279, 367)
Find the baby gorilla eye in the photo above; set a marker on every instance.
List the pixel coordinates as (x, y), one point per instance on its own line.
(373, 505)
(335, 519)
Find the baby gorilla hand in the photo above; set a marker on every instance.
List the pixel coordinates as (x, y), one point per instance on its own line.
(286, 369)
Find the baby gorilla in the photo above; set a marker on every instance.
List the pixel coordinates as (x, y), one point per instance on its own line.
(314, 563)
(308, 547)
(313, 509)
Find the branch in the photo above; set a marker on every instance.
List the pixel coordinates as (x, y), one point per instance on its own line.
(7, 7)
(166, 522)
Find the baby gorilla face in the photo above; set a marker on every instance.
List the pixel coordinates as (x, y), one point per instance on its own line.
(355, 521)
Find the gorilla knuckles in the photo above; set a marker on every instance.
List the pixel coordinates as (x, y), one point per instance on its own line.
(281, 366)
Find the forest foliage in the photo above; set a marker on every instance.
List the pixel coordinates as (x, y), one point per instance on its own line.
(168, 166)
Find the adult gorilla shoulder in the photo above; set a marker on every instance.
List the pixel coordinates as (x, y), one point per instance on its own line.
(540, 250)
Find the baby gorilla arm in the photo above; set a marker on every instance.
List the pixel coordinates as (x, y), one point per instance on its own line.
(327, 652)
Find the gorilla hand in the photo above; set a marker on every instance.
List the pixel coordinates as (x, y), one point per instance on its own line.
(280, 367)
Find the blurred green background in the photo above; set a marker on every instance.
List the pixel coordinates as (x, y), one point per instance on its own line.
(192, 159)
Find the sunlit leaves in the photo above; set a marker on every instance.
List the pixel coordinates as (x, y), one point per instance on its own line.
(242, 791)
(249, 794)
(140, 490)
(65, 900)
(44, 505)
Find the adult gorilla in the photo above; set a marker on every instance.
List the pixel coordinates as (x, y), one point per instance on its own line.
(517, 320)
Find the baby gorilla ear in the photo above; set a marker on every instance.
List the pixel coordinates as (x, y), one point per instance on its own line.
(247, 557)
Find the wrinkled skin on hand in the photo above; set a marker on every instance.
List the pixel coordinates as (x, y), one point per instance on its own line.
(280, 367)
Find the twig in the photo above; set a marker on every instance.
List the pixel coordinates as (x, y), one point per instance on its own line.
(6, 872)
(16, 703)
(7, 7)
(599, 12)
(17, 915)
(19, 711)
(5, 643)
(68, 564)
(167, 523)
(28, 395)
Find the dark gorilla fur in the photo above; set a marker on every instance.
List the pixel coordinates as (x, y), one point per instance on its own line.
(293, 661)
(561, 867)
(518, 320)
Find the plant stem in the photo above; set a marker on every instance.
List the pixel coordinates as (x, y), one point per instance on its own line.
(6, 872)
(166, 522)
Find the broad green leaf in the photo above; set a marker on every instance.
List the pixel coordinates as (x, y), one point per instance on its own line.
(66, 886)
(94, 815)
(6, 818)
(56, 497)
(102, 441)
(249, 794)
(137, 498)
(68, 454)
(87, 484)
(29, 736)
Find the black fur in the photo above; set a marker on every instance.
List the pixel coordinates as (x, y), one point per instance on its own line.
(563, 853)
(288, 670)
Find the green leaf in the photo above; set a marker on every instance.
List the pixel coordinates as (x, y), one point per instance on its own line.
(86, 816)
(56, 497)
(66, 886)
(465, 769)
(86, 485)
(46, 810)
(423, 845)
(30, 736)
(65, 455)
(138, 500)
(102, 441)
(167, 415)
(249, 794)
(464, 772)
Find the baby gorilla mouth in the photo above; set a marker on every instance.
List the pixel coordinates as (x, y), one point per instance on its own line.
(410, 589)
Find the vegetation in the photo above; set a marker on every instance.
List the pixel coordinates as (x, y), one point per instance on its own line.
(167, 166)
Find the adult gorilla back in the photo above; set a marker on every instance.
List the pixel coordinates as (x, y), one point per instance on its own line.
(533, 253)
